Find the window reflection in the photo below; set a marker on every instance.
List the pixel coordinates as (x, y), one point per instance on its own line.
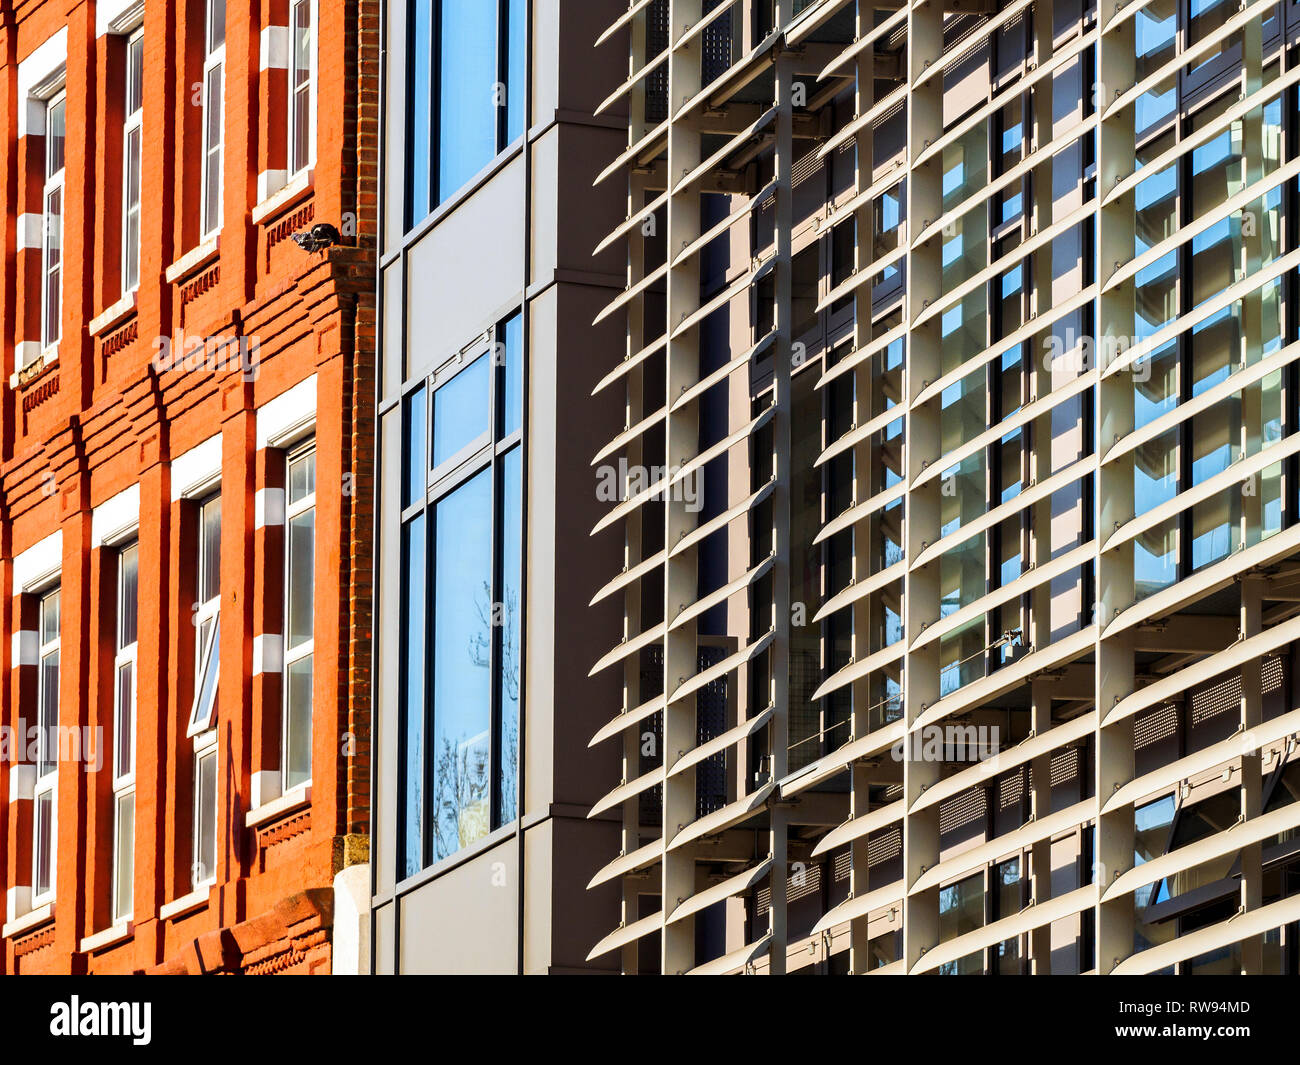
(462, 719)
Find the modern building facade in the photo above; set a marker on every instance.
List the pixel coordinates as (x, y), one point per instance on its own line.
(185, 460)
(958, 551)
(484, 779)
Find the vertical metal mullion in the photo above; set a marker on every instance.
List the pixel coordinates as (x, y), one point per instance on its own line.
(681, 442)
(782, 290)
(1114, 656)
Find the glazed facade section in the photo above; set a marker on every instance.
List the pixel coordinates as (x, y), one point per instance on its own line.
(483, 777)
(958, 507)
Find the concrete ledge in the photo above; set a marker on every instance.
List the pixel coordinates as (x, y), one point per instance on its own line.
(191, 261)
(122, 309)
(196, 899)
(108, 938)
(299, 798)
(288, 195)
(39, 916)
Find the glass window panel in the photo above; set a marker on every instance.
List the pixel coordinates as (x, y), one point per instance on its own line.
(961, 656)
(414, 560)
(301, 583)
(516, 26)
(512, 602)
(1011, 472)
(961, 908)
(55, 136)
(964, 330)
(1010, 561)
(300, 148)
(1155, 385)
(413, 447)
(887, 616)
(53, 266)
(49, 713)
(962, 412)
(1006, 879)
(1154, 30)
(1155, 206)
(50, 618)
(301, 127)
(1155, 472)
(1205, 19)
(212, 103)
(1154, 107)
(205, 697)
(965, 166)
(965, 249)
(1265, 399)
(1155, 559)
(886, 449)
(1271, 138)
(467, 91)
(1215, 439)
(963, 494)
(297, 723)
(124, 857)
(461, 411)
(127, 605)
(131, 236)
(1215, 346)
(462, 710)
(43, 844)
(1157, 296)
(1151, 825)
(302, 477)
(125, 718)
(210, 550)
(1216, 259)
(886, 531)
(1262, 501)
(888, 212)
(419, 115)
(961, 575)
(301, 42)
(1217, 169)
(216, 24)
(514, 374)
(204, 868)
(1011, 304)
(135, 74)
(1216, 527)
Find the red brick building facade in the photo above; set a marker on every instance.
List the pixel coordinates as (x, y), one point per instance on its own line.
(185, 447)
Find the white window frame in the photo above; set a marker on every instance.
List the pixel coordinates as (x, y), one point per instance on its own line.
(214, 62)
(132, 127)
(47, 782)
(203, 731)
(207, 614)
(54, 183)
(201, 875)
(306, 649)
(296, 166)
(124, 737)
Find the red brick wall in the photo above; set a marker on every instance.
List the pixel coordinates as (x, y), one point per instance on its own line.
(103, 418)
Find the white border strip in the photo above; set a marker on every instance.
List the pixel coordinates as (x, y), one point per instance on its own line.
(38, 563)
(196, 469)
(114, 517)
(290, 412)
(34, 74)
